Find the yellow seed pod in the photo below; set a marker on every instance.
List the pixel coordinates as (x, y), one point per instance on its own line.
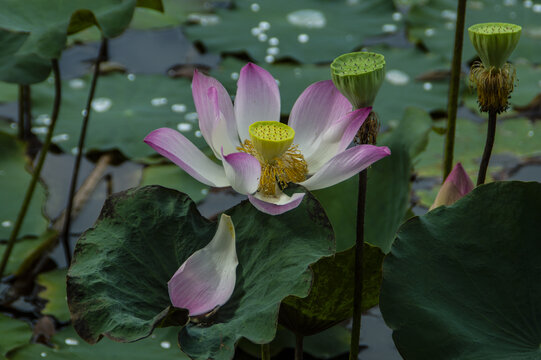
(271, 138)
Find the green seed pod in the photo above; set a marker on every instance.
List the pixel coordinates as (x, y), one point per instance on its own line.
(359, 76)
(494, 42)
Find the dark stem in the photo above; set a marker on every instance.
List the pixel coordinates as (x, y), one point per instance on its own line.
(109, 181)
(299, 340)
(491, 134)
(265, 352)
(80, 147)
(454, 86)
(358, 290)
(27, 112)
(20, 121)
(37, 169)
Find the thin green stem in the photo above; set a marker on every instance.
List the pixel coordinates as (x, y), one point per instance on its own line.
(491, 135)
(37, 169)
(27, 112)
(80, 147)
(265, 352)
(454, 86)
(20, 121)
(299, 342)
(358, 289)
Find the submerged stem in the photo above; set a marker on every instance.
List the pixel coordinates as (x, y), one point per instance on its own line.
(299, 341)
(37, 169)
(453, 89)
(80, 147)
(491, 134)
(358, 290)
(20, 121)
(265, 352)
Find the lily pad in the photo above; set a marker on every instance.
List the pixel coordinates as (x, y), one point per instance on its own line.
(34, 32)
(54, 283)
(433, 22)
(462, 282)
(144, 235)
(14, 180)
(309, 31)
(68, 346)
(173, 177)
(15, 333)
(331, 298)
(124, 112)
(515, 138)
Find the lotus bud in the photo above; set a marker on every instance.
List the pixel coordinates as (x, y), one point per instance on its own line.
(207, 278)
(358, 76)
(456, 186)
(494, 77)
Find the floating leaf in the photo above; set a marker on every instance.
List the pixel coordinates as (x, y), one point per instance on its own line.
(68, 346)
(310, 31)
(462, 282)
(15, 333)
(174, 177)
(54, 283)
(34, 32)
(124, 111)
(144, 235)
(14, 180)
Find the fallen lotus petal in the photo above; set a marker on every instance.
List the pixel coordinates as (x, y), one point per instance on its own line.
(457, 185)
(207, 278)
(261, 156)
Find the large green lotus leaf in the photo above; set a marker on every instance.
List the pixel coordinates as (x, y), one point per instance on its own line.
(124, 112)
(117, 284)
(173, 177)
(27, 250)
(68, 346)
(35, 31)
(175, 13)
(462, 282)
(54, 284)
(310, 31)
(8, 92)
(331, 298)
(519, 138)
(433, 22)
(15, 333)
(14, 180)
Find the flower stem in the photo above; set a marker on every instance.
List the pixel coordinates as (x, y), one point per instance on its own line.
(37, 170)
(454, 86)
(491, 134)
(80, 147)
(299, 340)
(265, 352)
(358, 290)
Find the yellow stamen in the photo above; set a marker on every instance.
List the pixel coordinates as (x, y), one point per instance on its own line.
(288, 166)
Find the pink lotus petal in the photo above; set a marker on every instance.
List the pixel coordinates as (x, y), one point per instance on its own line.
(174, 146)
(345, 165)
(456, 186)
(207, 278)
(318, 107)
(243, 171)
(209, 105)
(275, 205)
(336, 139)
(220, 136)
(257, 99)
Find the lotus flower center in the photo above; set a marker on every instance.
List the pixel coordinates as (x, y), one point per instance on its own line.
(281, 162)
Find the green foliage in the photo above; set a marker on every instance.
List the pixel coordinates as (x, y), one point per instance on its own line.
(54, 283)
(173, 177)
(33, 32)
(144, 235)
(14, 180)
(461, 282)
(15, 333)
(331, 28)
(123, 112)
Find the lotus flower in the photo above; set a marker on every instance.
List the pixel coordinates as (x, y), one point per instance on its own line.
(259, 155)
(456, 186)
(207, 278)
